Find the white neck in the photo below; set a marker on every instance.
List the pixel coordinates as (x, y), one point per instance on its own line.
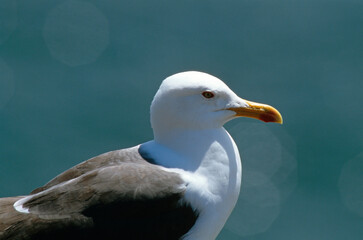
(209, 161)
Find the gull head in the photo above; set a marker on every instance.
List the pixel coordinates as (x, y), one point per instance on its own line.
(196, 100)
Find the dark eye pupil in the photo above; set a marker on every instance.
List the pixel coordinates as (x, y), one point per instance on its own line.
(208, 94)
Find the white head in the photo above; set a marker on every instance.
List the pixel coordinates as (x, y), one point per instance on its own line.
(187, 115)
(196, 100)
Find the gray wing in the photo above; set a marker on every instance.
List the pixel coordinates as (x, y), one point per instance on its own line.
(107, 159)
(122, 200)
(107, 185)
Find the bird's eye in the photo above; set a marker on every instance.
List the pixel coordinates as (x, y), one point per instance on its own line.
(208, 94)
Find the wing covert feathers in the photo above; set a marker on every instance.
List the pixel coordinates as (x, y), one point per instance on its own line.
(103, 198)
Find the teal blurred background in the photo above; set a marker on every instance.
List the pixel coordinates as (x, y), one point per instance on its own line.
(77, 79)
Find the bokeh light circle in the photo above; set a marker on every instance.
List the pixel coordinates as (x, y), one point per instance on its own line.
(272, 153)
(258, 205)
(269, 176)
(76, 32)
(260, 149)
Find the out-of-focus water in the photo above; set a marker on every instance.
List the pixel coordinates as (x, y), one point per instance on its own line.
(77, 79)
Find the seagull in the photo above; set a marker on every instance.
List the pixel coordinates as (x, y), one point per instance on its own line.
(183, 184)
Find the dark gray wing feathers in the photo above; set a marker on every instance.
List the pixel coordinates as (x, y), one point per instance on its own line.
(105, 197)
(128, 181)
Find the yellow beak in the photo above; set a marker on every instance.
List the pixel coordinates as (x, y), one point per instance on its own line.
(259, 111)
